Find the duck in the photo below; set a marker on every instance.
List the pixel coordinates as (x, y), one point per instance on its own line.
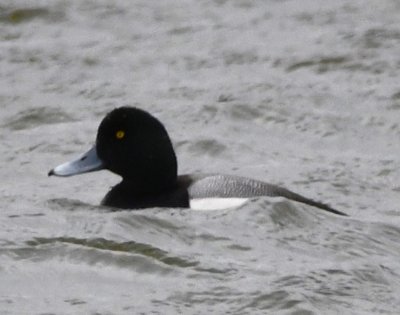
(135, 145)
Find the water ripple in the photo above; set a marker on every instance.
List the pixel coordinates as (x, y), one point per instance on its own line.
(116, 247)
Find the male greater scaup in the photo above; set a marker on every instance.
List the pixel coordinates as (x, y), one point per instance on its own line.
(135, 145)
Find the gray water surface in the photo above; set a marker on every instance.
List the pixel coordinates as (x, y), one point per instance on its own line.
(301, 94)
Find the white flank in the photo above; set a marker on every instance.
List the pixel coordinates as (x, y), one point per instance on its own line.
(216, 203)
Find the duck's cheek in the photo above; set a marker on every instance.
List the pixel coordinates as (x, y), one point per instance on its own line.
(205, 204)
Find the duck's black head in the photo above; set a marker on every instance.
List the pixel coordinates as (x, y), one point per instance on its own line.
(133, 144)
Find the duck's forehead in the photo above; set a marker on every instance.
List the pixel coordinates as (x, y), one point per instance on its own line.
(118, 114)
(115, 119)
(128, 118)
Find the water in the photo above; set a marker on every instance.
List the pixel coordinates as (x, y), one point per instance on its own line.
(302, 95)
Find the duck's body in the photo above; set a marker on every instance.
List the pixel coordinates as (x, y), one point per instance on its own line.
(135, 145)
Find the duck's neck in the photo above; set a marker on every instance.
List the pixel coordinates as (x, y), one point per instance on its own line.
(127, 195)
(148, 185)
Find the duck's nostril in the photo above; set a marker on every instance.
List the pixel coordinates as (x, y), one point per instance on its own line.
(83, 158)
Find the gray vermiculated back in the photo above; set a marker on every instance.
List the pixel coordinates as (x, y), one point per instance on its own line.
(227, 186)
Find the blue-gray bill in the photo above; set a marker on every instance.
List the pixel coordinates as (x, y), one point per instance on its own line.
(88, 162)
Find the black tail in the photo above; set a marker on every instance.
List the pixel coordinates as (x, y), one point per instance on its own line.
(296, 197)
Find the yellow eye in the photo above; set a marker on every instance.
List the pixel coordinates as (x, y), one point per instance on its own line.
(120, 134)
